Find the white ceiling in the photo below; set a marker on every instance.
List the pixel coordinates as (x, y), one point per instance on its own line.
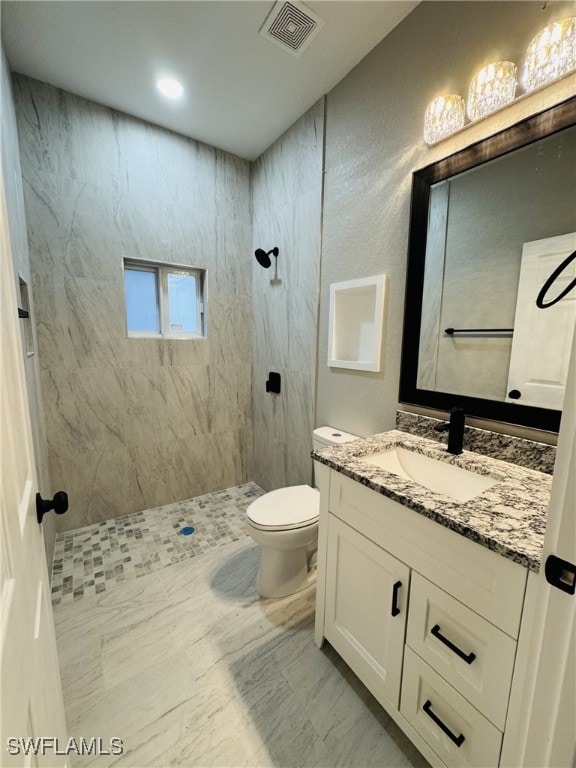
(242, 91)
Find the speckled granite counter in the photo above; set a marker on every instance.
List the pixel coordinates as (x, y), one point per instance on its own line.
(508, 518)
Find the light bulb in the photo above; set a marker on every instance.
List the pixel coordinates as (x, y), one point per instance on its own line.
(169, 87)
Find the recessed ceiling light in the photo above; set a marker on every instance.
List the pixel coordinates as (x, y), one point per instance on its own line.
(170, 87)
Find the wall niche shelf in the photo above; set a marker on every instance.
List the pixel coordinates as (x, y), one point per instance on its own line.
(356, 323)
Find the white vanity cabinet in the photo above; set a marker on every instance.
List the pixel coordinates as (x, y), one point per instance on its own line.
(366, 602)
(428, 619)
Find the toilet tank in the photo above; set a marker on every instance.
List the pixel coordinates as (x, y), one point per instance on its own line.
(322, 437)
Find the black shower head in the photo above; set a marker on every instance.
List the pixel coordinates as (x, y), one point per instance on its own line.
(263, 258)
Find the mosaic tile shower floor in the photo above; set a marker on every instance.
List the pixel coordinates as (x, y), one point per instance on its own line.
(90, 560)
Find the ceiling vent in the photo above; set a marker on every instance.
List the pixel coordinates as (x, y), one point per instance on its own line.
(292, 26)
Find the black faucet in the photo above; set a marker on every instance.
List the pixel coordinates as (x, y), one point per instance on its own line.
(455, 430)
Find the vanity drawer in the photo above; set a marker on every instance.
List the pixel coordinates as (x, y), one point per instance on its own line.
(449, 724)
(488, 583)
(475, 657)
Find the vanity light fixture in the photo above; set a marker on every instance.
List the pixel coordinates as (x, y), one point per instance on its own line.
(551, 54)
(491, 88)
(170, 87)
(443, 116)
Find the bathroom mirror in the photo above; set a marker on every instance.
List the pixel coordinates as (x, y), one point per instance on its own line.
(480, 219)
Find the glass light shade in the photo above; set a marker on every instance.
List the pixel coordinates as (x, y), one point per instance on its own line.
(491, 88)
(443, 116)
(551, 54)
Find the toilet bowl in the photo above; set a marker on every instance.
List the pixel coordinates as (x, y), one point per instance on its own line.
(284, 523)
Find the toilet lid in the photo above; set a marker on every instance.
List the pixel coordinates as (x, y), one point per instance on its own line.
(285, 508)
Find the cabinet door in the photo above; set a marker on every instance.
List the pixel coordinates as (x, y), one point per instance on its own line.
(366, 604)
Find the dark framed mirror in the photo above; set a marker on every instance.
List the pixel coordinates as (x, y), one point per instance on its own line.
(487, 226)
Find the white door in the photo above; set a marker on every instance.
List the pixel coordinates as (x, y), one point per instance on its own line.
(31, 693)
(545, 720)
(366, 608)
(551, 724)
(542, 338)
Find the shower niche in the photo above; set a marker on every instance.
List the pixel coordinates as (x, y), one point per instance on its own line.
(356, 323)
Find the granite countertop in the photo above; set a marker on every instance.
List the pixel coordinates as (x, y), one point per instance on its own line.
(508, 518)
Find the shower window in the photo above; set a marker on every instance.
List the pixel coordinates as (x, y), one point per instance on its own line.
(164, 300)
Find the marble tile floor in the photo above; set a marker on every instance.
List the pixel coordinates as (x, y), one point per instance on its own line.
(190, 667)
(91, 560)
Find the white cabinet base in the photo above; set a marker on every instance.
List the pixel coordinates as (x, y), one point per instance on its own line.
(406, 602)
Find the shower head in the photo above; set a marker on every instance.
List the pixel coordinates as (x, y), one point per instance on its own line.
(263, 257)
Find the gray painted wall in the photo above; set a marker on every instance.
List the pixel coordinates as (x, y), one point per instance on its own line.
(373, 144)
(18, 237)
(134, 423)
(286, 212)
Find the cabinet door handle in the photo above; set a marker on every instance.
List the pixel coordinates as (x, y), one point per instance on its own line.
(458, 740)
(467, 657)
(395, 589)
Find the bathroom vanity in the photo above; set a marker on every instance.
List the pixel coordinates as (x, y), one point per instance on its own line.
(427, 569)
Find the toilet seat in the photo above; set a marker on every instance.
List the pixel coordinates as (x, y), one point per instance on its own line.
(285, 509)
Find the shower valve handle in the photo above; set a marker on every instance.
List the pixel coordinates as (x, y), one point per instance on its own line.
(274, 383)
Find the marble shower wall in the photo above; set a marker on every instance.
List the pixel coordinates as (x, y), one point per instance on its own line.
(286, 212)
(133, 423)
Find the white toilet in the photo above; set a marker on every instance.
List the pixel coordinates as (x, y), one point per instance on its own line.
(285, 525)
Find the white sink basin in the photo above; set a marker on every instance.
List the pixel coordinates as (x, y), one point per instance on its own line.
(460, 484)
